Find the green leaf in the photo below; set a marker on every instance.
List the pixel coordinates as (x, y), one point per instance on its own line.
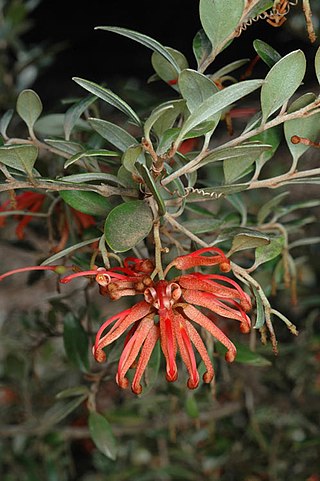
(249, 149)
(308, 127)
(260, 316)
(73, 392)
(261, 7)
(287, 209)
(202, 225)
(75, 341)
(59, 411)
(91, 176)
(191, 406)
(66, 146)
(229, 68)
(268, 207)
(165, 70)
(29, 107)
(154, 189)
(74, 113)
(317, 64)
(196, 88)
(53, 125)
(271, 137)
(154, 117)
(5, 121)
(131, 156)
(90, 153)
(245, 355)
(236, 167)
(110, 97)
(86, 202)
(248, 240)
(220, 19)
(19, 157)
(69, 250)
(102, 436)
(268, 252)
(218, 102)
(168, 118)
(267, 53)
(144, 40)
(127, 225)
(201, 46)
(113, 134)
(281, 82)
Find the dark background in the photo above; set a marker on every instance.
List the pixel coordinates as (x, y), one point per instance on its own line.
(107, 57)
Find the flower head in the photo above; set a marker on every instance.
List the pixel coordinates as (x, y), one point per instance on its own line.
(169, 312)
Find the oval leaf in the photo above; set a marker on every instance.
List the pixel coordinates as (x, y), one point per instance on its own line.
(127, 225)
(317, 64)
(86, 202)
(268, 54)
(219, 18)
(29, 107)
(281, 82)
(19, 157)
(101, 434)
(195, 88)
(201, 46)
(165, 69)
(75, 341)
(268, 252)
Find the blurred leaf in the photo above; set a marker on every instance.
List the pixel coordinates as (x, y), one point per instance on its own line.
(308, 127)
(53, 125)
(248, 240)
(127, 225)
(287, 209)
(317, 64)
(281, 82)
(90, 153)
(245, 355)
(74, 113)
(201, 46)
(145, 40)
(76, 342)
(59, 411)
(218, 102)
(165, 70)
(5, 121)
(101, 434)
(87, 202)
(268, 252)
(73, 392)
(267, 53)
(191, 406)
(19, 157)
(202, 225)
(114, 134)
(219, 19)
(268, 207)
(69, 250)
(109, 97)
(29, 107)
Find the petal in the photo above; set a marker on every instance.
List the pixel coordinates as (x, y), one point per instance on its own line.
(125, 319)
(197, 259)
(203, 321)
(186, 350)
(168, 344)
(202, 350)
(145, 355)
(132, 349)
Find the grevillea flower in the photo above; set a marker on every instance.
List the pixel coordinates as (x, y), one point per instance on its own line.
(33, 203)
(168, 313)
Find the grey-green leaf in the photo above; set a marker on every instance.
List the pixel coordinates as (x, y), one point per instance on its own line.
(29, 107)
(165, 69)
(19, 157)
(201, 46)
(248, 240)
(268, 54)
(114, 134)
(75, 341)
(102, 436)
(218, 102)
(127, 225)
(74, 113)
(5, 121)
(317, 64)
(268, 252)
(110, 97)
(90, 153)
(195, 88)
(308, 127)
(237, 166)
(281, 82)
(219, 18)
(144, 40)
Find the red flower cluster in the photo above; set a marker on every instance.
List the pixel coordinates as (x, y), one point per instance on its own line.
(168, 312)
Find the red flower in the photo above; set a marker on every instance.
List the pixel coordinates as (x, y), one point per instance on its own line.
(168, 313)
